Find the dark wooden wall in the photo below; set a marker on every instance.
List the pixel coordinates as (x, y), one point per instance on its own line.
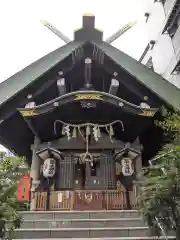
(108, 175)
(65, 173)
(68, 177)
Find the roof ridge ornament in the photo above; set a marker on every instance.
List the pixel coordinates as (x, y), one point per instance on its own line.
(88, 30)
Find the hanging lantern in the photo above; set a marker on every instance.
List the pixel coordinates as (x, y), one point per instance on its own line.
(127, 167)
(49, 168)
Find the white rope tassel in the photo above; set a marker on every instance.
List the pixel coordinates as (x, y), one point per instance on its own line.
(111, 131)
(94, 126)
(88, 130)
(98, 132)
(63, 130)
(67, 131)
(95, 133)
(74, 133)
(108, 131)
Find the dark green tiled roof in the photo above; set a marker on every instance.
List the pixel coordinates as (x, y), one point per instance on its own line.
(161, 87)
(26, 76)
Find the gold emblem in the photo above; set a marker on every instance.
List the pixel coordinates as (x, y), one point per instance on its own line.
(28, 113)
(147, 113)
(88, 97)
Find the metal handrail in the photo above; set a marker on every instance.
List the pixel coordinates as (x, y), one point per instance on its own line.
(157, 220)
(161, 227)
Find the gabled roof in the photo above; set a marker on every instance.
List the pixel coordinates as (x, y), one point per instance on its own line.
(23, 78)
(160, 86)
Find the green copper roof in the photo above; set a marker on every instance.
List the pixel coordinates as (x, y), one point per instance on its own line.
(22, 79)
(160, 86)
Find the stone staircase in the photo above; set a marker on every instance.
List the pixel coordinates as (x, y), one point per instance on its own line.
(119, 225)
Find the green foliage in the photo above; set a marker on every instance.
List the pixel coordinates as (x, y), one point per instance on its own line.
(11, 168)
(160, 185)
(171, 124)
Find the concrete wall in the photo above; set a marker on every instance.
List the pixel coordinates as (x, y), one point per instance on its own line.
(166, 51)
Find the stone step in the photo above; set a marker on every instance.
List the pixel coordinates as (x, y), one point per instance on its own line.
(53, 215)
(83, 223)
(82, 232)
(116, 238)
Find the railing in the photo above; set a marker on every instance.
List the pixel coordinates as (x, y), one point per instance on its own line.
(115, 200)
(40, 199)
(86, 200)
(61, 200)
(162, 229)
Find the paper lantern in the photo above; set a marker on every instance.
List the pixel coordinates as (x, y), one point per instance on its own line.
(127, 167)
(49, 168)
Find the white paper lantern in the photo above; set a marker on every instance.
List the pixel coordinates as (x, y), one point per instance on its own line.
(49, 168)
(127, 167)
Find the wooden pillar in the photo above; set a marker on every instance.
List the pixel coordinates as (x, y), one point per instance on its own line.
(138, 165)
(35, 173)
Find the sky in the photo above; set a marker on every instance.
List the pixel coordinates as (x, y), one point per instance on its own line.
(23, 39)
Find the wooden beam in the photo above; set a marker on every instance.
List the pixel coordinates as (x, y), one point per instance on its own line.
(73, 144)
(61, 86)
(114, 86)
(19, 102)
(87, 73)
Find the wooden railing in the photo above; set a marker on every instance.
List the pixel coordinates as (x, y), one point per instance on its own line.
(61, 200)
(40, 201)
(115, 200)
(86, 200)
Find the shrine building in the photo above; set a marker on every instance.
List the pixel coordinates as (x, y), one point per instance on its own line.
(83, 117)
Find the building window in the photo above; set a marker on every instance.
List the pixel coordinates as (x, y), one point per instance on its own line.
(149, 64)
(176, 70)
(173, 22)
(175, 26)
